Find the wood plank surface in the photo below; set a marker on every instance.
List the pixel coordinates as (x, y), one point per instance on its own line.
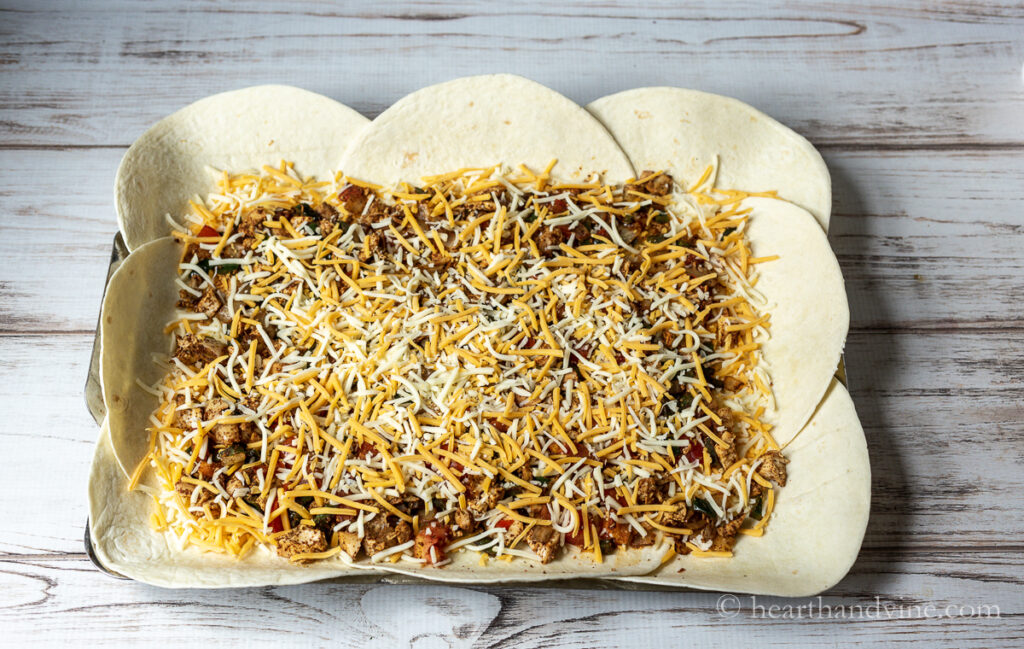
(919, 110)
(877, 74)
(52, 591)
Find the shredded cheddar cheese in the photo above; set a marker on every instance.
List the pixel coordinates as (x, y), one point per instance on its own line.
(485, 362)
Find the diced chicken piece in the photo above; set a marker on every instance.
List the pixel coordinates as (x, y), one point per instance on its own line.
(198, 350)
(223, 434)
(187, 300)
(380, 535)
(660, 185)
(301, 540)
(209, 304)
(544, 541)
(373, 245)
(732, 384)
(252, 400)
(728, 421)
(439, 261)
(236, 487)
(250, 222)
(464, 520)
(326, 211)
(513, 531)
(206, 469)
(330, 219)
(647, 492)
(480, 500)
(676, 518)
(727, 454)
(548, 239)
(723, 536)
(244, 484)
(186, 490)
(185, 418)
(215, 408)
(773, 467)
(224, 314)
(350, 543)
(643, 540)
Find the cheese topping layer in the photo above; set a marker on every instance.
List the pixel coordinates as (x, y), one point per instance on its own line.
(489, 362)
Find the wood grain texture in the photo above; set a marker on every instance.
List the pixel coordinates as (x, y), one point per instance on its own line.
(941, 74)
(919, 110)
(54, 590)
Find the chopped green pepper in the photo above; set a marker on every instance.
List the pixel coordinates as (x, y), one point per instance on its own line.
(217, 269)
(234, 454)
(701, 505)
(757, 509)
(711, 452)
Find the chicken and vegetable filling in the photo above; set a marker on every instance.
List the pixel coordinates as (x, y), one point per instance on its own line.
(489, 363)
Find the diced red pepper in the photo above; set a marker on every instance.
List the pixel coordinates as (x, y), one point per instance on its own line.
(364, 449)
(696, 451)
(435, 535)
(207, 231)
(617, 532)
(583, 350)
(504, 523)
(276, 525)
(575, 539)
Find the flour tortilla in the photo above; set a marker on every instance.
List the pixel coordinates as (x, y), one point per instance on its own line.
(140, 300)
(468, 122)
(677, 131)
(238, 131)
(479, 122)
(125, 543)
(465, 567)
(806, 299)
(684, 130)
(818, 524)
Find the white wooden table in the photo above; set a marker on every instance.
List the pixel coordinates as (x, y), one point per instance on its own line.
(919, 111)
